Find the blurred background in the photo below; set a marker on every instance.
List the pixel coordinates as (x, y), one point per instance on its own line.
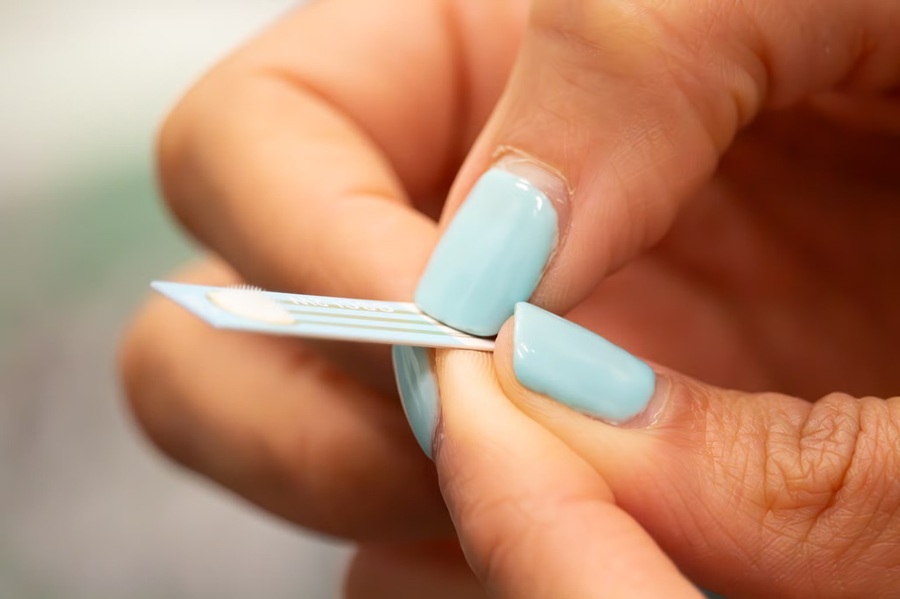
(87, 508)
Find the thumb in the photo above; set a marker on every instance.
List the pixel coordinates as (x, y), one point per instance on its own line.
(533, 518)
(615, 114)
(757, 495)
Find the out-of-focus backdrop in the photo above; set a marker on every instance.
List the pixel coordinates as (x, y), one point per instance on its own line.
(87, 508)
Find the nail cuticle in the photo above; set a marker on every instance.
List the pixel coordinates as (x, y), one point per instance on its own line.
(656, 411)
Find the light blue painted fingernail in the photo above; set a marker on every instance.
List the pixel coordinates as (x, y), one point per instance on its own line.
(493, 253)
(418, 393)
(568, 363)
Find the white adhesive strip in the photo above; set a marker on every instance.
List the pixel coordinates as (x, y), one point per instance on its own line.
(366, 321)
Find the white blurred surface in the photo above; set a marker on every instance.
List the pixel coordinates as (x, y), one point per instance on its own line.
(87, 508)
(81, 81)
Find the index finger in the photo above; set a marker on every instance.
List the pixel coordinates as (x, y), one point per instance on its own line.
(301, 158)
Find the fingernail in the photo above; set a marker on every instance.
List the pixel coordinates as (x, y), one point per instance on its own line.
(568, 363)
(495, 250)
(418, 393)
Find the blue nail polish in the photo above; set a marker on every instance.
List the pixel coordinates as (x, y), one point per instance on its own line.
(568, 363)
(491, 256)
(418, 392)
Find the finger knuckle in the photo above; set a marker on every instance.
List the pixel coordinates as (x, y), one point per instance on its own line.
(832, 485)
(703, 60)
(808, 460)
(863, 476)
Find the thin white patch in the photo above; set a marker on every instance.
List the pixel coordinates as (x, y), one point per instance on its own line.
(251, 304)
(366, 321)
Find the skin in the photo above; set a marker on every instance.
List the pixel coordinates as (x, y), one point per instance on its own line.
(733, 220)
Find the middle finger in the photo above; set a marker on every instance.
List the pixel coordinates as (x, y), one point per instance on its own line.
(274, 422)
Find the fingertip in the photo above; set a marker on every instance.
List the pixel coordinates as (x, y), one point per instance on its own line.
(529, 511)
(542, 357)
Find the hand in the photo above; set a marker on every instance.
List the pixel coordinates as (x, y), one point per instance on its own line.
(755, 495)
(534, 517)
(295, 153)
(310, 161)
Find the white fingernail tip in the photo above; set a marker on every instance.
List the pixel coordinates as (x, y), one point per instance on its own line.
(251, 304)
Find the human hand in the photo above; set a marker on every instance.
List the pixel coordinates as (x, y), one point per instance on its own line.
(751, 494)
(310, 162)
(634, 122)
(776, 276)
(534, 517)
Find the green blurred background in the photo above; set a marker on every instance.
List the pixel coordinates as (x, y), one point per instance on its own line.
(87, 508)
